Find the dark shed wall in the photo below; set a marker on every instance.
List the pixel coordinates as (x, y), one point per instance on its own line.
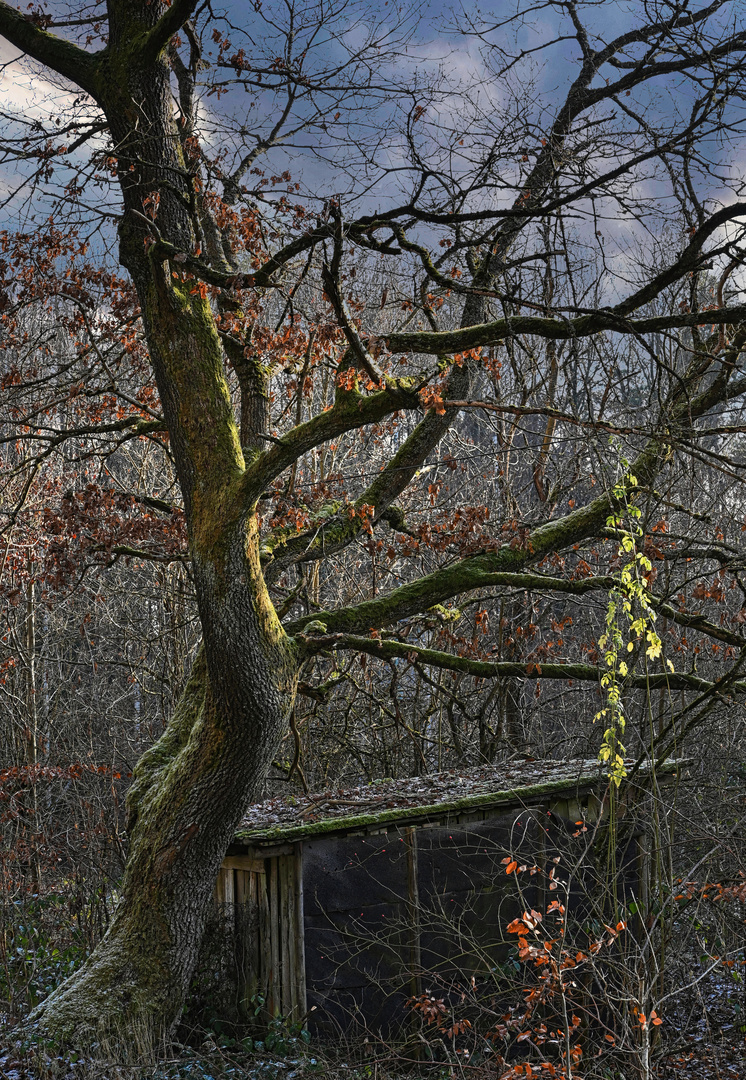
(466, 900)
(383, 911)
(357, 927)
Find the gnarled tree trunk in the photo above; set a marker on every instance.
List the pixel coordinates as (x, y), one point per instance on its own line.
(192, 787)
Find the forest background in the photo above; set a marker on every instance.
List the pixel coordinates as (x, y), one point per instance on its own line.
(420, 404)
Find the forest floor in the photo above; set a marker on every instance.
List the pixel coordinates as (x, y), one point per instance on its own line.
(724, 1058)
(721, 1056)
(711, 1025)
(704, 1029)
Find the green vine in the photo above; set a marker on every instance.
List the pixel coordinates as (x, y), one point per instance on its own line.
(629, 612)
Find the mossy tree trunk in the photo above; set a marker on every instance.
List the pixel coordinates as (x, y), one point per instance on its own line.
(192, 787)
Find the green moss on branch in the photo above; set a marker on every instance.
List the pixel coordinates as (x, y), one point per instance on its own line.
(388, 649)
(349, 413)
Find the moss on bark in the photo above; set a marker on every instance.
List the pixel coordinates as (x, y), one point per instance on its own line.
(189, 792)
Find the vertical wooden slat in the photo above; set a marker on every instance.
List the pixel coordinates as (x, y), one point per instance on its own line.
(241, 920)
(413, 912)
(300, 933)
(239, 924)
(247, 924)
(285, 932)
(224, 886)
(290, 936)
(274, 999)
(593, 807)
(254, 882)
(265, 938)
(226, 925)
(229, 892)
(240, 883)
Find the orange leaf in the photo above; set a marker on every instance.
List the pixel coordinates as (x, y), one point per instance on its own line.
(517, 927)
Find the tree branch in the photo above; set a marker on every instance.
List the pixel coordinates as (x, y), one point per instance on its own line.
(488, 568)
(169, 24)
(62, 56)
(440, 343)
(126, 551)
(351, 412)
(389, 649)
(261, 278)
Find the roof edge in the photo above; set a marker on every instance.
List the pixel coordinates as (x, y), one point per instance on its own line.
(287, 832)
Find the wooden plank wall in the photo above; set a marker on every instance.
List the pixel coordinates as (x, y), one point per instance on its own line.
(269, 942)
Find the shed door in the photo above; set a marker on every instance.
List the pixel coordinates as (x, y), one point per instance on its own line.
(269, 950)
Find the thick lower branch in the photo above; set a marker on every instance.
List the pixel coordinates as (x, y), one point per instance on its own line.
(355, 411)
(388, 649)
(62, 56)
(486, 569)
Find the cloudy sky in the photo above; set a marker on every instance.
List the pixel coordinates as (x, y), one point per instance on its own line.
(472, 107)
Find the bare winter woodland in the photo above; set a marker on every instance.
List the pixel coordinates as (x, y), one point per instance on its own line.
(372, 407)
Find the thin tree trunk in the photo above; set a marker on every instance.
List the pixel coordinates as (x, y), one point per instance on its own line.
(32, 728)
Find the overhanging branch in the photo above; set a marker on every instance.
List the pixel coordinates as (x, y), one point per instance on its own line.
(62, 56)
(388, 649)
(489, 568)
(440, 343)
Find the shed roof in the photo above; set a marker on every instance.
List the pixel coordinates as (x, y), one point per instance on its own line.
(416, 799)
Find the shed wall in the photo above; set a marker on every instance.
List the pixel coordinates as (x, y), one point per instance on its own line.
(267, 926)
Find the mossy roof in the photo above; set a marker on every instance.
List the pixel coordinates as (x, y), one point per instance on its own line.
(417, 799)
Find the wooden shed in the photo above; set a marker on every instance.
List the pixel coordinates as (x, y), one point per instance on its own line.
(338, 903)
